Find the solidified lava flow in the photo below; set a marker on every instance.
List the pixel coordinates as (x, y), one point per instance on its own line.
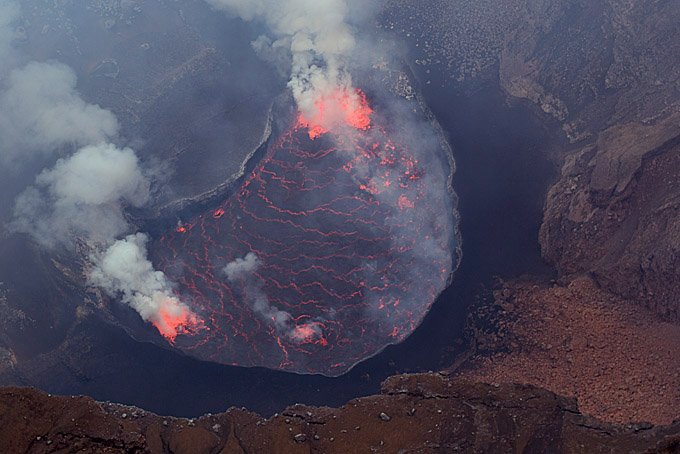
(334, 246)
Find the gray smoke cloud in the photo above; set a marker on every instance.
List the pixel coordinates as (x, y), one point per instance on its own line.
(9, 12)
(42, 110)
(243, 269)
(242, 266)
(82, 195)
(85, 194)
(320, 43)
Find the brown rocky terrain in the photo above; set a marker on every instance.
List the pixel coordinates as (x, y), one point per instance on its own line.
(607, 74)
(614, 213)
(426, 413)
(611, 78)
(620, 362)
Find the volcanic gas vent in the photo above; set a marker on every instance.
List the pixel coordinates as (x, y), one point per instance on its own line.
(333, 247)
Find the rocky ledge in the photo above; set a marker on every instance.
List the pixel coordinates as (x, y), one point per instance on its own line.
(419, 413)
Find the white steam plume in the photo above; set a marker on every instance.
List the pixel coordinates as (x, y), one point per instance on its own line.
(125, 269)
(42, 110)
(242, 266)
(84, 194)
(320, 42)
(243, 269)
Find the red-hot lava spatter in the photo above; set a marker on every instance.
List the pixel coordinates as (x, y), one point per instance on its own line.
(338, 109)
(334, 246)
(176, 320)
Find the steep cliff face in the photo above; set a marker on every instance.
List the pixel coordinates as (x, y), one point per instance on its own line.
(614, 213)
(610, 73)
(594, 65)
(607, 73)
(425, 413)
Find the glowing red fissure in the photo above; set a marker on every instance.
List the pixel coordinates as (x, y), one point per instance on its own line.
(336, 221)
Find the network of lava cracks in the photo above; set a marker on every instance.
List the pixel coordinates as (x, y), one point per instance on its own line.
(343, 226)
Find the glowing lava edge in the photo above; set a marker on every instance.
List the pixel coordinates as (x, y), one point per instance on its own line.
(333, 247)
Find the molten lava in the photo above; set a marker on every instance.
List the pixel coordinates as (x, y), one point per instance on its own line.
(171, 323)
(333, 247)
(338, 109)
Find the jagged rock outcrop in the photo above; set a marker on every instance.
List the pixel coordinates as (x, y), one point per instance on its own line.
(607, 73)
(420, 413)
(615, 213)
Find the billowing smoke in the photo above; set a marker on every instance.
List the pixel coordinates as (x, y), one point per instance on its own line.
(83, 195)
(243, 270)
(42, 110)
(124, 269)
(242, 273)
(242, 266)
(320, 43)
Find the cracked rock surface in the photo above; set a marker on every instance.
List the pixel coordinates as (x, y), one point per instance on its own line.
(428, 413)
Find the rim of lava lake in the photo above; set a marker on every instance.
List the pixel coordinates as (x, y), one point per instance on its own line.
(334, 246)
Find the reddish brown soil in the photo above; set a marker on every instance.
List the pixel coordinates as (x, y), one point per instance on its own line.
(618, 359)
